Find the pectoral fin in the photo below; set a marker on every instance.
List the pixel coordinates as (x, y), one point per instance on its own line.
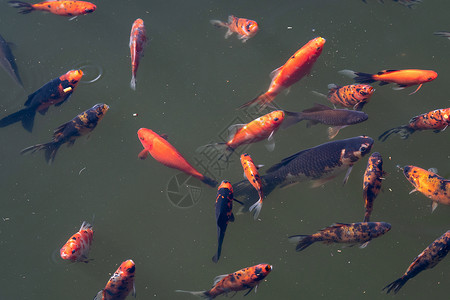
(433, 206)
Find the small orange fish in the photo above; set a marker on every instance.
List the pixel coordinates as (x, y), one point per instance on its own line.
(436, 120)
(161, 150)
(252, 174)
(61, 8)
(403, 78)
(351, 96)
(372, 182)
(430, 184)
(138, 39)
(247, 278)
(296, 67)
(78, 246)
(244, 28)
(120, 284)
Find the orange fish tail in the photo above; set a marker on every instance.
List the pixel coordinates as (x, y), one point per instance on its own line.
(263, 100)
(256, 208)
(25, 8)
(50, 150)
(218, 24)
(303, 241)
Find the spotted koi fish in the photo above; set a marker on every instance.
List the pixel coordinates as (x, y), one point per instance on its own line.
(319, 164)
(430, 184)
(252, 174)
(403, 78)
(428, 259)
(61, 8)
(55, 92)
(372, 182)
(78, 246)
(353, 233)
(296, 67)
(138, 39)
(120, 284)
(68, 132)
(436, 120)
(224, 214)
(257, 130)
(244, 28)
(161, 150)
(353, 96)
(247, 278)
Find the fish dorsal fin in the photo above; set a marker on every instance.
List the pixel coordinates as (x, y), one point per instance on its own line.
(164, 136)
(386, 71)
(333, 86)
(317, 107)
(233, 129)
(60, 129)
(285, 161)
(335, 225)
(30, 98)
(219, 278)
(433, 170)
(275, 72)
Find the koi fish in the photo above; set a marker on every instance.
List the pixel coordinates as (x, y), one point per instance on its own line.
(8, 62)
(244, 28)
(55, 92)
(161, 150)
(78, 246)
(138, 39)
(436, 120)
(68, 132)
(428, 259)
(430, 184)
(247, 278)
(252, 174)
(336, 118)
(297, 66)
(372, 182)
(120, 284)
(257, 130)
(319, 164)
(353, 233)
(61, 8)
(403, 78)
(353, 96)
(445, 34)
(224, 214)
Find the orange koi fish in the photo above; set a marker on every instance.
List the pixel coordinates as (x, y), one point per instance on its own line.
(247, 278)
(430, 184)
(55, 92)
(120, 284)
(244, 28)
(138, 39)
(78, 246)
(68, 132)
(61, 8)
(224, 214)
(351, 96)
(372, 182)
(436, 120)
(353, 233)
(403, 78)
(297, 66)
(252, 174)
(428, 259)
(161, 150)
(257, 130)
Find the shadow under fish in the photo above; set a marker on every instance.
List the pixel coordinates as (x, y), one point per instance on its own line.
(8, 62)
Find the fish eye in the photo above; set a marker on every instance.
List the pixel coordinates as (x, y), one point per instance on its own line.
(268, 268)
(430, 78)
(73, 81)
(73, 251)
(363, 93)
(318, 48)
(363, 149)
(275, 119)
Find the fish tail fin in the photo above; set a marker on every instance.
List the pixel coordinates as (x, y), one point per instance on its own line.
(248, 194)
(223, 148)
(256, 208)
(303, 241)
(25, 8)
(218, 24)
(201, 294)
(396, 285)
(221, 234)
(85, 225)
(133, 83)
(404, 131)
(25, 115)
(50, 150)
(209, 181)
(358, 76)
(263, 100)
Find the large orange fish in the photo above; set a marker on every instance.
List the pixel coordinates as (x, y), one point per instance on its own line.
(252, 174)
(55, 92)
(351, 96)
(165, 153)
(244, 28)
(257, 130)
(78, 246)
(138, 39)
(403, 78)
(247, 278)
(61, 8)
(297, 66)
(120, 284)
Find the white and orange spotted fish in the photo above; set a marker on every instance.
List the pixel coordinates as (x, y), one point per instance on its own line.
(78, 246)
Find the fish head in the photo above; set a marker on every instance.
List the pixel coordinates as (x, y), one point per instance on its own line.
(414, 174)
(226, 185)
(89, 7)
(317, 45)
(73, 77)
(363, 91)
(383, 227)
(127, 267)
(261, 271)
(146, 136)
(429, 75)
(69, 251)
(245, 157)
(251, 28)
(100, 110)
(355, 148)
(276, 118)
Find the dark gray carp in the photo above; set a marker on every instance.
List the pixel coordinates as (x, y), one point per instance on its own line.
(8, 62)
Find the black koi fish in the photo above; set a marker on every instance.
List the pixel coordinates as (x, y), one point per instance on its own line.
(8, 62)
